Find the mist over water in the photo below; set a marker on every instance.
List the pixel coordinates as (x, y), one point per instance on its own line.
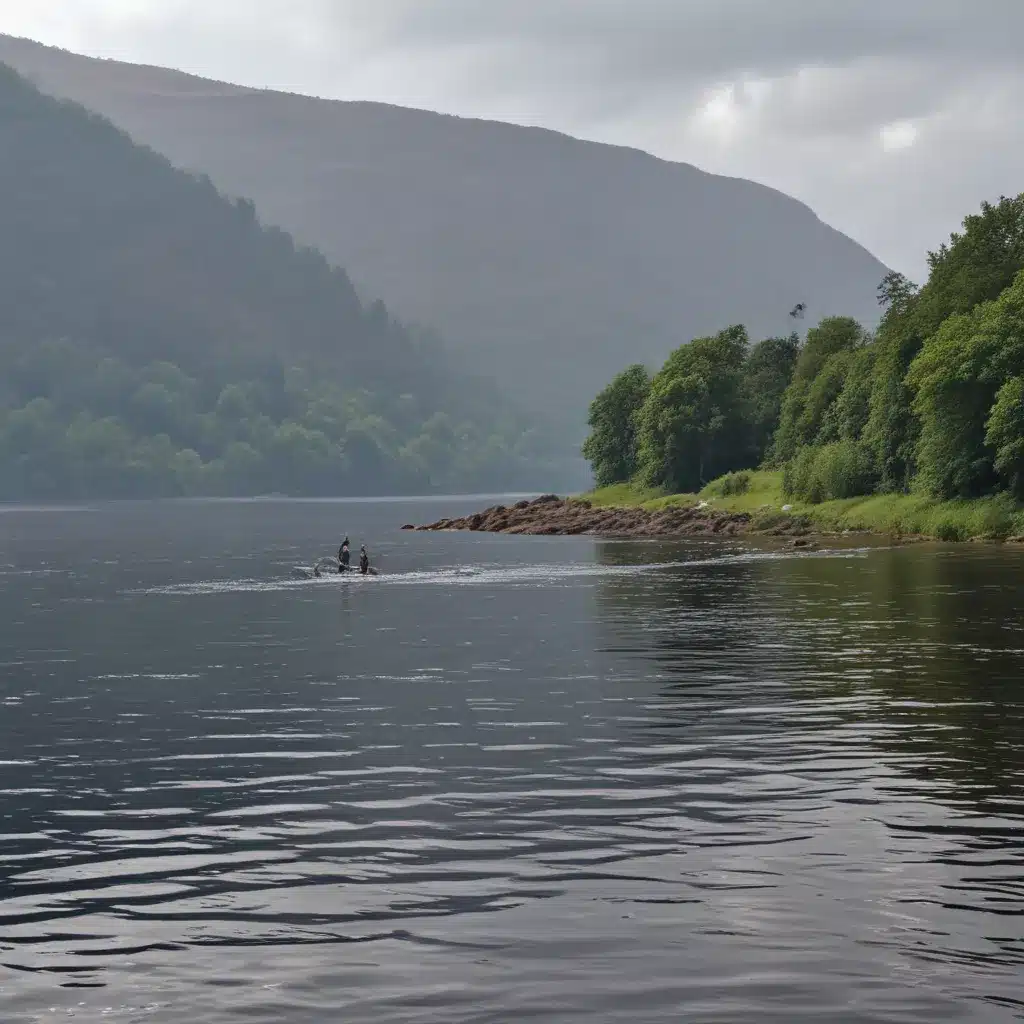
(508, 779)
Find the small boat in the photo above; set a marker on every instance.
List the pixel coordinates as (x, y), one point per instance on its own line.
(351, 570)
(328, 566)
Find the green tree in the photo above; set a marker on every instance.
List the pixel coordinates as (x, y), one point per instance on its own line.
(852, 407)
(611, 447)
(99, 453)
(767, 374)
(956, 379)
(818, 422)
(892, 429)
(806, 401)
(1004, 435)
(693, 426)
(896, 292)
(190, 473)
(243, 469)
(975, 266)
(33, 457)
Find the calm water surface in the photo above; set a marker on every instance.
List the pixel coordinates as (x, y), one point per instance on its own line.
(510, 779)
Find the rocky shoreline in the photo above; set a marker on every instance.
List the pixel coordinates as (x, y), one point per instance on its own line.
(551, 515)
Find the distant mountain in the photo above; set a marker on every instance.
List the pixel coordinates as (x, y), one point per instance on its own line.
(156, 338)
(553, 262)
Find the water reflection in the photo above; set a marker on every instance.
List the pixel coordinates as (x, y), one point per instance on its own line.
(557, 782)
(882, 684)
(932, 635)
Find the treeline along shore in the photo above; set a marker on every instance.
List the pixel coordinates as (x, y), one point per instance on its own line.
(915, 429)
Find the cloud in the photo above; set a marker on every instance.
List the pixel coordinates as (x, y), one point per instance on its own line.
(700, 37)
(891, 120)
(898, 135)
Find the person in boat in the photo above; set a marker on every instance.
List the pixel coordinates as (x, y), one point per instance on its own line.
(364, 560)
(344, 556)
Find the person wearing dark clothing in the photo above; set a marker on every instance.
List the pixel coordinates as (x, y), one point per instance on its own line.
(364, 560)
(343, 556)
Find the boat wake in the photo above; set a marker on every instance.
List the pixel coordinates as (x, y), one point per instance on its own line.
(527, 575)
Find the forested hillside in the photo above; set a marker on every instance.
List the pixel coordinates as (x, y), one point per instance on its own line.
(931, 402)
(546, 261)
(156, 338)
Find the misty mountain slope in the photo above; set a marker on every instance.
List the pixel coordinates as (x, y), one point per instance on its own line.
(156, 337)
(553, 261)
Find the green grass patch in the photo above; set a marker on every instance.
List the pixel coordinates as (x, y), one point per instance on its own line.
(761, 495)
(629, 496)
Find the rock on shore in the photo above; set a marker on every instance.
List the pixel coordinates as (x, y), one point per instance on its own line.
(551, 515)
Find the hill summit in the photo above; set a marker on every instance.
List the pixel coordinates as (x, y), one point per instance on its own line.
(547, 261)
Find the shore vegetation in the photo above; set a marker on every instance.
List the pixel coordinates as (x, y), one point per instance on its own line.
(914, 428)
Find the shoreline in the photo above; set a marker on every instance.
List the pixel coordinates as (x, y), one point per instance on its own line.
(554, 516)
(760, 509)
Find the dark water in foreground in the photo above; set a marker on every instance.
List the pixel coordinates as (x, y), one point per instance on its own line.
(513, 779)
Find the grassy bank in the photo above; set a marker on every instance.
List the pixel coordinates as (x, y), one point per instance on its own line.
(760, 493)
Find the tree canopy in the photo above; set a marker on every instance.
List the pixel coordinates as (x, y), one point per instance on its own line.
(611, 447)
(156, 338)
(692, 424)
(934, 400)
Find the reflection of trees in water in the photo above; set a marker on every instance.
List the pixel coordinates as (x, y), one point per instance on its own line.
(923, 646)
(935, 635)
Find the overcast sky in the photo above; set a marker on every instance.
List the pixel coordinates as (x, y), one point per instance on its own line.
(890, 118)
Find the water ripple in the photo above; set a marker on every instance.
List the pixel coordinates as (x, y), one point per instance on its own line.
(706, 783)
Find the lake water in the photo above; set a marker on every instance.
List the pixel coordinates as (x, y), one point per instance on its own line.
(510, 779)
